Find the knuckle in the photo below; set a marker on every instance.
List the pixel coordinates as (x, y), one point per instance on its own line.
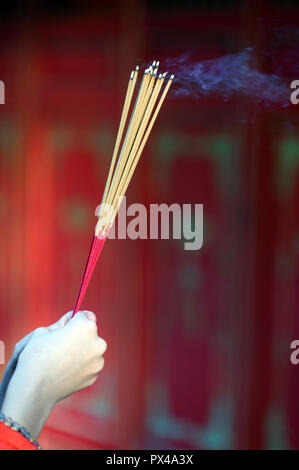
(90, 328)
(101, 364)
(102, 346)
(92, 324)
(91, 381)
(79, 317)
(83, 322)
(90, 315)
(65, 318)
(39, 331)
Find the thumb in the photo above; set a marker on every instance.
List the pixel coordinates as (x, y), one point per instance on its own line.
(61, 322)
(90, 315)
(84, 315)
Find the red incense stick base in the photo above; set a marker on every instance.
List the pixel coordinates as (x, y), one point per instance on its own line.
(94, 253)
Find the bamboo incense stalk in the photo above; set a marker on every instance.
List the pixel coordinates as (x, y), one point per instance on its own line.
(130, 134)
(124, 115)
(137, 157)
(135, 116)
(139, 135)
(127, 151)
(126, 146)
(146, 110)
(129, 94)
(119, 182)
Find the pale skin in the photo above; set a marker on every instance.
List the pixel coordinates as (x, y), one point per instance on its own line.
(48, 365)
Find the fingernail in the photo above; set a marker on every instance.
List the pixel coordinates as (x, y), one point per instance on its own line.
(90, 315)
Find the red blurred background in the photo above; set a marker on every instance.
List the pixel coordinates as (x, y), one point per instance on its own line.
(198, 341)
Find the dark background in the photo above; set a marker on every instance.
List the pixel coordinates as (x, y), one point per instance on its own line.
(198, 341)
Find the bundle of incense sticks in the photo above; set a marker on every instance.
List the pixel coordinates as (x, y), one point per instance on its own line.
(134, 129)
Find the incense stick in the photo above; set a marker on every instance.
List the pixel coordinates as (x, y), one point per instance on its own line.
(128, 98)
(127, 151)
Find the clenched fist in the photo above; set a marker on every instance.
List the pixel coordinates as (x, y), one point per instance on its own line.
(50, 364)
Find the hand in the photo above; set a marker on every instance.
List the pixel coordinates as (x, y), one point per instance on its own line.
(12, 363)
(55, 363)
(64, 360)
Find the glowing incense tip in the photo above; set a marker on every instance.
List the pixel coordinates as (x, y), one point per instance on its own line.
(154, 63)
(137, 68)
(132, 75)
(171, 77)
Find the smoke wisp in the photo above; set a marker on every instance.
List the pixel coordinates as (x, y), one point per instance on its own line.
(231, 76)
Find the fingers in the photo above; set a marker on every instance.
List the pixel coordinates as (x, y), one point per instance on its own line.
(101, 346)
(85, 314)
(84, 319)
(62, 321)
(99, 366)
(67, 317)
(83, 328)
(90, 315)
(100, 349)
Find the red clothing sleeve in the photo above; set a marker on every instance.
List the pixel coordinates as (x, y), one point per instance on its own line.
(13, 440)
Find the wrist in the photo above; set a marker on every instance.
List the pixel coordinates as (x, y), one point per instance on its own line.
(7, 432)
(26, 401)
